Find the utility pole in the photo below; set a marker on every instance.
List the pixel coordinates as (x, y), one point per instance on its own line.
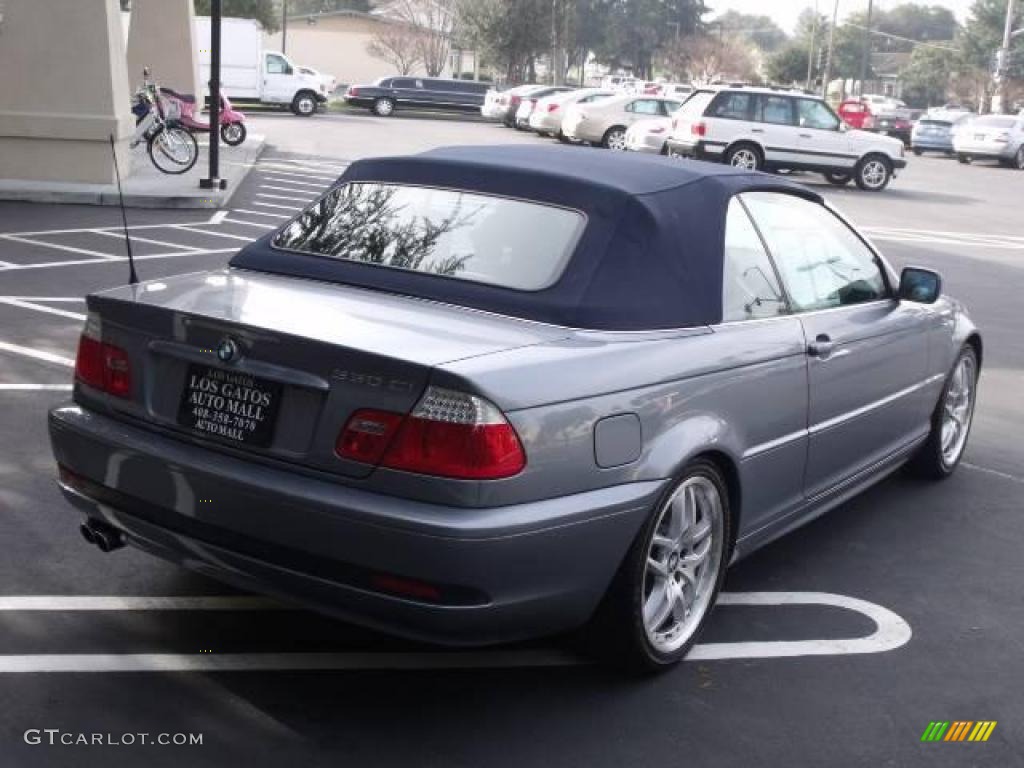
(810, 49)
(1003, 60)
(214, 181)
(284, 26)
(865, 57)
(828, 56)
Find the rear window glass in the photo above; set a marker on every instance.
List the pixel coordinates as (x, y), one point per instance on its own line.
(461, 235)
(695, 105)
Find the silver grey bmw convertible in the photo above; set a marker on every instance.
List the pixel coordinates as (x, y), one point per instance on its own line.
(484, 394)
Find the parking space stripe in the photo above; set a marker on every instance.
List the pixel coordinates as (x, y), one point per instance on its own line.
(275, 205)
(305, 175)
(150, 240)
(147, 257)
(43, 308)
(251, 223)
(261, 213)
(68, 248)
(290, 189)
(214, 234)
(297, 183)
(218, 217)
(285, 197)
(77, 230)
(69, 299)
(36, 354)
(36, 387)
(309, 165)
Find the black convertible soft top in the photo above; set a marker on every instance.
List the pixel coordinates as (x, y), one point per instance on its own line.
(650, 256)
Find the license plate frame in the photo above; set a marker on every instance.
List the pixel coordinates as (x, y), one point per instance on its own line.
(231, 406)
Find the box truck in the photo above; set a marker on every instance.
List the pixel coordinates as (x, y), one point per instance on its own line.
(250, 73)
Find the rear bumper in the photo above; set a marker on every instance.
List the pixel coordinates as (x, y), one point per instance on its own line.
(931, 145)
(499, 574)
(997, 152)
(697, 149)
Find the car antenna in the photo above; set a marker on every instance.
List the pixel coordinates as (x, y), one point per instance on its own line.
(132, 277)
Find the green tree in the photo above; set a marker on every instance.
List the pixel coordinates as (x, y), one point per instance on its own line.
(759, 30)
(266, 12)
(926, 78)
(788, 65)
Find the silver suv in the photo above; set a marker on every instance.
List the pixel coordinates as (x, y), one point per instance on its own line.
(769, 129)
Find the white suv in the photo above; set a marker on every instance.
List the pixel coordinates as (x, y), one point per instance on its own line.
(767, 129)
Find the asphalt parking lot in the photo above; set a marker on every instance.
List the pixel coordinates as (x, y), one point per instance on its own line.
(835, 646)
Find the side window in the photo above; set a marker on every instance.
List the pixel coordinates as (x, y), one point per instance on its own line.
(402, 82)
(668, 107)
(419, 83)
(775, 109)
(644, 107)
(822, 262)
(731, 105)
(814, 114)
(276, 65)
(750, 289)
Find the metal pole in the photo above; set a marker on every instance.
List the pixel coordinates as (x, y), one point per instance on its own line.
(214, 181)
(866, 53)
(828, 56)
(810, 48)
(1003, 67)
(284, 26)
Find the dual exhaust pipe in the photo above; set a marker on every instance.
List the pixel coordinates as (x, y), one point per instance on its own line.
(107, 538)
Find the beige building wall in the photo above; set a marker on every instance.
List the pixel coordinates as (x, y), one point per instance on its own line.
(64, 91)
(337, 46)
(162, 37)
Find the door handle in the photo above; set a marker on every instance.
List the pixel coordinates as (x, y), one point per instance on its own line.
(821, 347)
(806, 136)
(757, 130)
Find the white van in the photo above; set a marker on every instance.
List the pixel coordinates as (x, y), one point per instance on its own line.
(249, 73)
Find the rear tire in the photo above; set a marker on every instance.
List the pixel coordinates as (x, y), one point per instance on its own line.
(917, 152)
(745, 156)
(962, 158)
(1018, 159)
(940, 454)
(615, 138)
(873, 173)
(304, 104)
(669, 581)
(383, 107)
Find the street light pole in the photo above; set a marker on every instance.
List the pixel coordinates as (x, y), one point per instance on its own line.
(284, 26)
(865, 56)
(810, 48)
(1003, 60)
(828, 56)
(214, 181)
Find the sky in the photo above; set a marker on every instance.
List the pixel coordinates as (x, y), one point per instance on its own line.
(785, 12)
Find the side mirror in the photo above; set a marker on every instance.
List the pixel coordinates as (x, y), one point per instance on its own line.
(920, 285)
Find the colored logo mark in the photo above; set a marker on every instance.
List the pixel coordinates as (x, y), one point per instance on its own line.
(958, 730)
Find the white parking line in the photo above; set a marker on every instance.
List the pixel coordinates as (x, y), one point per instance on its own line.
(78, 299)
(214, 234)
(292, 171)
(218, 217)
(78, 262)
(68, 248)
(285, 197)
(313, 165)
(261, 213)
(42, 308)
(282, 180)
(292, 208)
(131, 228)
(36, 354)
(291, 189)
(137, 239)
(258, 224)
(36, 387)
(891, 632)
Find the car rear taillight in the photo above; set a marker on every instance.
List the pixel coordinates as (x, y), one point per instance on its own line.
(103, 366)
(448, 434)
(699, 129)
(353, 91)
(552, 107)
(515, 100)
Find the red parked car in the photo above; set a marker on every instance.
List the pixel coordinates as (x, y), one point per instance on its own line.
(857, 114)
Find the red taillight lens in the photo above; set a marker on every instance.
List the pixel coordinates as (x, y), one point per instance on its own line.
(552, 107)
(698, 129)
(448, 434)
(103, 366)
(89, 362)
(353, 91)
(367, 435)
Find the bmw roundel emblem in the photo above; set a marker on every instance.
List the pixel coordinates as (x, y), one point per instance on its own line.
(227, 350)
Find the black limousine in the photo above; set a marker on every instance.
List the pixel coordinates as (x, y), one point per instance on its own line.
(390, 93)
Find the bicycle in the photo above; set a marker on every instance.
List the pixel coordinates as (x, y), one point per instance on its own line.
(172, 148)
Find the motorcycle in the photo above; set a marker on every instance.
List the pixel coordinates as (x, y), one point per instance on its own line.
(232, 122)
(172, 148)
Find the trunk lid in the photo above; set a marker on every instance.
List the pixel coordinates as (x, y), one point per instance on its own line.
(276, 365)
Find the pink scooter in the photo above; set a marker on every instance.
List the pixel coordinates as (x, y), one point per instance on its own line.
(232, 122)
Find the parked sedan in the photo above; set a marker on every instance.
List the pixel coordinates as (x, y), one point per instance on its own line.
(605, 122)
(546, 117)
(649, 135)
(993, 137)
(622, 402)
(934, 132)
(527, 102)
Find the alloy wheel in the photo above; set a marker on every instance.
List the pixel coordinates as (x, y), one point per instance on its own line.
(744, 158)
(874, 174)
(957, 411)
(616, 140)
(684, 556)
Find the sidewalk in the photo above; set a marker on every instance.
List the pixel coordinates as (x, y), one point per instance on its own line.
(146, 187)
